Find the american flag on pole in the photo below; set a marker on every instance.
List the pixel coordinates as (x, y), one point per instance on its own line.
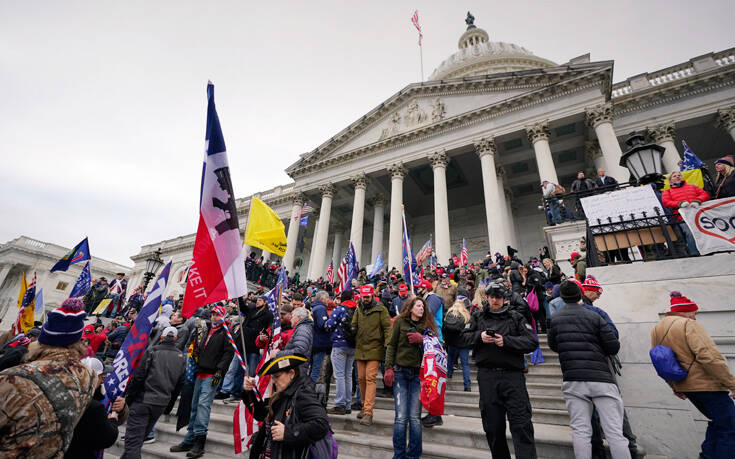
(424, 252)
(463, 256)
(347, 269)
(415, 21)
(304, 210)
(330, 272)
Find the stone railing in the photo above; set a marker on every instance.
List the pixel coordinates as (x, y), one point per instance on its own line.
(32, 243)
(674, 73)
(724, 58)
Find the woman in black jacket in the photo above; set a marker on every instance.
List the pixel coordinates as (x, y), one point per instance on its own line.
(292, 418)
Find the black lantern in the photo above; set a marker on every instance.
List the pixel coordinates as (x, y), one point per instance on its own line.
(642, 159)
(152, 264)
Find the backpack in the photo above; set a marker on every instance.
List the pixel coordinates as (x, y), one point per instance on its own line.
(532, 301)
(453, 324)
(347, 330)
(665, 363)
(326, 448)
(558, 190)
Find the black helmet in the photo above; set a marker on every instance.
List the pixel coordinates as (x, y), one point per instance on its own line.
(496, 289)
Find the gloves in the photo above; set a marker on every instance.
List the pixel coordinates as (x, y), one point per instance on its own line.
(389, 377)
(216, 379)
(684, 204)
(695, 204)
(415, 338)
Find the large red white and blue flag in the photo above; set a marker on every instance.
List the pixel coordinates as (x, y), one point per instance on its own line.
(409, 261)
(217, 271)
(347, 270)
(463, 256)
(415, 22)
(424, 252)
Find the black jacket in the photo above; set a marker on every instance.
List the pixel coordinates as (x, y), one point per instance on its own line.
(160, 371)
(584, 341)
(725, 187)
(608, 182)
(518, 338)
(452, 329)
(555, 274)
(93, 432)
(516, 281)
(116, 338)
(254, 321)
(299, 410)
(216, 355)
(519, 305)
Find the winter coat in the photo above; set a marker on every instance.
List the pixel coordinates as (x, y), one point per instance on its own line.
(454, 325)
(116, 338)
(372, 328)
(160, 371)
(588, 305)
(338, 321)
(304, 417)
(254, 322)
(301, 339)
(518, 338)
(696, 353)
(216, 355)
(519, 305)
(12, 356)
(583, 341)
(322, 340)
(437, 306)
(92, 298)
(516, 281)
(725, 187)
(674, 196)
(555, 274)
(399, 351)
(584, 184)
(42, 402)
(94, 432)
(397, 305)
(448, 294)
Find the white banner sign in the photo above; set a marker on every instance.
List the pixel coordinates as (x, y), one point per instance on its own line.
(632, 200)
(712, 224)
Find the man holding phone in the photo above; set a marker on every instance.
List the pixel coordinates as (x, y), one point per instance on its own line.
(500, 337)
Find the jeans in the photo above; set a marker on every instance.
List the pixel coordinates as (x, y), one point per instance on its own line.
(689, 238)
(356, 383)
(317, 358)
(719, 441)
(342, 358)
(252, 360)
(201, 407)
(406, 396)
(555, 209)
(464, 357)
(141, 420)
(233, 380)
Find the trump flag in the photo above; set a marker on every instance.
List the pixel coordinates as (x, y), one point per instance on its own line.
(217, 271)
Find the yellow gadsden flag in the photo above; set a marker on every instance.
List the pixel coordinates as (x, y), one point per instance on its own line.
(265, 229)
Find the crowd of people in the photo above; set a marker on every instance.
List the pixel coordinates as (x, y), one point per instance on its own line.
(491, 310)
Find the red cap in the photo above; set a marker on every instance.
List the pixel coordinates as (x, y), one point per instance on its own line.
(591, 284)
(427, 285)
(366, 290)
(574, 255)
(680, 303)
(402, 288)
(219, 310)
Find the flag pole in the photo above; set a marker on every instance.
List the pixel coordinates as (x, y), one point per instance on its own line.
(405, 244)
(421, 55)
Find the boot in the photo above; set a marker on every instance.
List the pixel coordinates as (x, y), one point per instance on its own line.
(181, 447)
(198, 449)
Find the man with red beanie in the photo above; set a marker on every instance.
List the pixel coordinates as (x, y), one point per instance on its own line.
(709, 379)
(397, 303)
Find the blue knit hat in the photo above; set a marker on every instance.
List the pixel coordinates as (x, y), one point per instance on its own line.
(64, 325)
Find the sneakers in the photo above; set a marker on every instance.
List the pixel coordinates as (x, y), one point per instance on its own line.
(181, 447)
(431, 420)
(221, 395)
(232, 399)
(360, 415)
(367, 420)
(467, 389)
(339, 410)
(150, 438)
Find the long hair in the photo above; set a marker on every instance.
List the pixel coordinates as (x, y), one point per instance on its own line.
(728, 171)
(426, 318)
(459, 308)
(480, 296)
(275, 397)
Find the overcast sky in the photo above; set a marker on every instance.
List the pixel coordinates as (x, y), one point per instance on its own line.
(103, 103)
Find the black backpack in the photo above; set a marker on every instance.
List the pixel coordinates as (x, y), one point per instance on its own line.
(453, 324)
(347, 330)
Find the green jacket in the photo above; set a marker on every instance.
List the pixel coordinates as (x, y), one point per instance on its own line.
(372, 329)
(400, 351)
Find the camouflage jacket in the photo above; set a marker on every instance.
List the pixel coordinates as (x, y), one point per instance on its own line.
(42, 402)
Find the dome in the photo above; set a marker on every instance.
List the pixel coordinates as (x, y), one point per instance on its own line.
(478, 55)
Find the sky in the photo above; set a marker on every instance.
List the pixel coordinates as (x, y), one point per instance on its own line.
(103, 104)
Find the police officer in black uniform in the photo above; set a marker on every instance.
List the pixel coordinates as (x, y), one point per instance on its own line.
(500, 337)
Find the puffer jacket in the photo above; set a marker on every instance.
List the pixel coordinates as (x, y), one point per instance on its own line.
(696, 353)
(672, 197)
(583, 341)
(301, 339)
(371, 324)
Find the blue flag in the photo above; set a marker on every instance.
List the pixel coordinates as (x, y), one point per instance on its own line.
(128, 357)
(303, 221)
(409, 260)
(377, 265)
(80, 252)
(84, 282)
(281, 285)
(689, 161)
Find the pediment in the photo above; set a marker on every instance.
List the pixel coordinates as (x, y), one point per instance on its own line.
(431, 105)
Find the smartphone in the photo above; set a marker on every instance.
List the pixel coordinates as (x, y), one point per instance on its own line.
(490, 332)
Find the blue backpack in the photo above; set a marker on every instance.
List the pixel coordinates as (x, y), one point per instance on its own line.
(665, 363)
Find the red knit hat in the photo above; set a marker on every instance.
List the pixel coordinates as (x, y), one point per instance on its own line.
(591, 284)
(574, 255)
(680, 303)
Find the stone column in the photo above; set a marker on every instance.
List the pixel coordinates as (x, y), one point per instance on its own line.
(358, 214)
(293, 232)
(378, 203)
(664, 135)
(599, 118)
(309, 272)
(4, 273)
(726, 120)
(594, 154)
(513, 241)
(439, 162)
(507, 223)
(485, 149)
(395, 254)
(337, 250)
(322, 232)
(538, 135)
(266, 255)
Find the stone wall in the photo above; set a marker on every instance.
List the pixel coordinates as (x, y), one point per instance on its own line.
(635, 296)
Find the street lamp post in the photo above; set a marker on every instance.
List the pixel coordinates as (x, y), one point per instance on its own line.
(643, 160)
(152, 264)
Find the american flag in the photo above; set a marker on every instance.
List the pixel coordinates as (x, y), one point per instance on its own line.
(415, 21)
(243, 422)
(347, 270)
(463, 256)
(409, 261)
(424, 252)
(304, 210)
(330, 272)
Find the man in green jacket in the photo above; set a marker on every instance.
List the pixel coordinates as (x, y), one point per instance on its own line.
(371, 323)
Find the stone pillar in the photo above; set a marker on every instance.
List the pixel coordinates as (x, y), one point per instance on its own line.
(507, 218)
(378, 203)
(266, 255)
(4, 273)
(599, 118)
(322, 232)
(292, 236)
(485, 149)
(513, 241)
(594, 154)
(439, 162)
(538, 135)
(316, 212)
(337, 250)
(358, 214)
(664, 135)
(395, 254)
(726, 120)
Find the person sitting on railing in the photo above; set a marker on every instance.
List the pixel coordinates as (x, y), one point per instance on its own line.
(550, 192)
(681, 194)
(605, 181)
(582, 184)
